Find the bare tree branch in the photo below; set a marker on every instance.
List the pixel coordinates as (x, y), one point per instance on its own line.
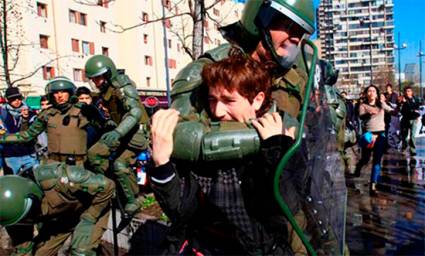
(38, 68)
(122, 29)
(212, 5)
(92, 3)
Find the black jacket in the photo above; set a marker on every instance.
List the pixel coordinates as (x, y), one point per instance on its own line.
(228, 208)
(410, 109)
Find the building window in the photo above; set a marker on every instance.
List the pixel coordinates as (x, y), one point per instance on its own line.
(44, 41)
(105, 51)
(77, 17)
(42, 10)
(72, 16)
(102, 25)
(167, 23)
(48, 72)
(170, 44)
(75, 43)
(88, 48)
(83, 19)
(148, 81)
(216, 12)
(206, 40)
(172, 63)
(178, 47)
(167, 4)
(148, 60)
(145, 17)
(145, 38)
(205, 23)
(103, 3)
(78, 75)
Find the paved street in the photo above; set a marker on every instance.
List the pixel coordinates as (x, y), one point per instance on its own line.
(393, 223)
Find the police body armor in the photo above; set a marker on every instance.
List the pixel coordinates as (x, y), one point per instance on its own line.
(66, 132)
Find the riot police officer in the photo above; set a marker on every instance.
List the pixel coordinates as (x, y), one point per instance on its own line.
(66, 200)
(119, 96)
(65, 122)
(269, 31)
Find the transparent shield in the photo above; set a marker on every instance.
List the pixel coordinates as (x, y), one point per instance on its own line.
(326, 195)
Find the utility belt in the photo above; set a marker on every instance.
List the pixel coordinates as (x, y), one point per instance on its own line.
(66, 158)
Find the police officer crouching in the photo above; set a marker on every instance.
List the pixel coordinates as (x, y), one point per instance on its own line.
(66, 200)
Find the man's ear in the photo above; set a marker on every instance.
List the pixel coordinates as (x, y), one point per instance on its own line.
(258, 100)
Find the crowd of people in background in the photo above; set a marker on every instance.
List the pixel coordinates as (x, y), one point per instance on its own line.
(384, 123)
(17, 116)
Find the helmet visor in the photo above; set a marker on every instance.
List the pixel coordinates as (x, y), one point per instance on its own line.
(271, 16)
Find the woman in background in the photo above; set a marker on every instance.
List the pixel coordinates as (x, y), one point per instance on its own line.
(372, 112)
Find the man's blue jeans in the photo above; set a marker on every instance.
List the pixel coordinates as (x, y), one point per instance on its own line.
(18, 162)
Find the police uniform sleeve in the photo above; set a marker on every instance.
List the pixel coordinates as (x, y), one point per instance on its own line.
(38, 126)
(187, 93)
(135, 110)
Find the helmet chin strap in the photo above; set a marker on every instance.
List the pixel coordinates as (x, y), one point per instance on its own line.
(284, 62)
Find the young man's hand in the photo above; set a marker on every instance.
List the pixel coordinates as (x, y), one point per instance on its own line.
(269, 125)
(163, 124)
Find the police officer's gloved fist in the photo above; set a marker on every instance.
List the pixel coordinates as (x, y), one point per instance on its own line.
(111, 139)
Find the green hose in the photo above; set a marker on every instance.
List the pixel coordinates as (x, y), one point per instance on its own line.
(291, 152)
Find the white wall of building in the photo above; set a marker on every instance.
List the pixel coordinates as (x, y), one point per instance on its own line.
(128, 49)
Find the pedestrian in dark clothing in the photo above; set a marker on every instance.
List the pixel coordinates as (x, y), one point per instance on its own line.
(351, 132)
(409, 120)
(391, 119)
(15, 116)
(356, 111)
(225, 207)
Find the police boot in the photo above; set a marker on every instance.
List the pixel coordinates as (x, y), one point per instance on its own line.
(131, 190)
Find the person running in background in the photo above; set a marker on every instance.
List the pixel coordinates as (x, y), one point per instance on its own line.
(371, 112)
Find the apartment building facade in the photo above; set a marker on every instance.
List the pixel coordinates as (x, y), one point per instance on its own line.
(357, 37)
(60, 35)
